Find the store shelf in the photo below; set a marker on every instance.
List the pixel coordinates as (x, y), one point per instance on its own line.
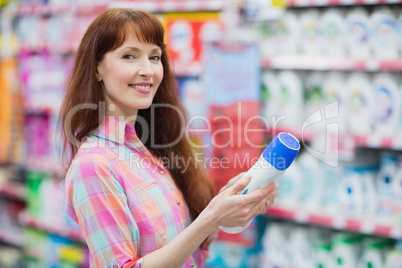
(11, 238)
(28, 220)
(15, 191)
(171, 6)
(43, 165)
(336, 222)
(64, 48)
(312, 3)
(325, 63)
(25, 9)
(194, 70)
(349, 141)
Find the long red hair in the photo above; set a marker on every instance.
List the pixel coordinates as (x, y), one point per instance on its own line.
(106, 33)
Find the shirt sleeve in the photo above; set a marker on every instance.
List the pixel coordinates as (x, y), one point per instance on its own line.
(97, 201)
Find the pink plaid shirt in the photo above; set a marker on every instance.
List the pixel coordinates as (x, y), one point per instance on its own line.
(123, 198)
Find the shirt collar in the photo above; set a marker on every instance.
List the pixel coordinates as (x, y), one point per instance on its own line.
(116, 130)
(120, 132)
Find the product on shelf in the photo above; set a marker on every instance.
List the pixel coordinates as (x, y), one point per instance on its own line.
(192, 94)
(311, 192)
(361, 99)
(334, 89)
(310, 32)
(11, 113)
(384, 185)
(291, 100)
(313, 95)
(333, 32)
(291, 245)
(186, 34)
(346, 249)
(387, 103)
(386, 33)
(11, 257)
(271, 93)
(397, 193)
(287, 34)
(374, 252)
(358, 33)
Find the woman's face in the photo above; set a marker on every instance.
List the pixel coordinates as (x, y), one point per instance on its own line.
(131, 75)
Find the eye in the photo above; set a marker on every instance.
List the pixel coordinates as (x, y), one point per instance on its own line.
(128, 57)
(155, 58)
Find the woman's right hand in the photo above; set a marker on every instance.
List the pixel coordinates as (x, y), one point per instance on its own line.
(230, 209)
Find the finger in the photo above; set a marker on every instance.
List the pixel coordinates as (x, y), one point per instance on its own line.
(236, 178)
(240, 184)
(266, 203)
(259, 194)
(232, 181)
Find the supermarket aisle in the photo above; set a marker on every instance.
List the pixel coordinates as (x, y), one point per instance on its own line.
(326, 71)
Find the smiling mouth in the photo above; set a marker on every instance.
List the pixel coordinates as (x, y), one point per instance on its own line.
(147, 87)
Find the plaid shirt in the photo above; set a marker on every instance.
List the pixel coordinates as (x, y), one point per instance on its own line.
(123, 198)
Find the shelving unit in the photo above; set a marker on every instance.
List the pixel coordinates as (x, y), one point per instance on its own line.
(14, 191)
(12, 239)
(313, 3)
(351, 141)
(363, 226)
(171, 6)
(325, 63)
(28, 220)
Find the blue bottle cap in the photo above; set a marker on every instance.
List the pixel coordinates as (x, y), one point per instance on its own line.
(281, 151)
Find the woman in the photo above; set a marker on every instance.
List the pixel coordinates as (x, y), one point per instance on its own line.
(136, 204)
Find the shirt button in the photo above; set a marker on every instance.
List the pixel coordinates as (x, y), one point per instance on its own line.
(177, 201)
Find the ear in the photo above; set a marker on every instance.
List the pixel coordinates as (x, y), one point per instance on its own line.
(99, 73)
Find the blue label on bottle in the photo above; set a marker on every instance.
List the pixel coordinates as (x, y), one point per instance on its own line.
(245, 191)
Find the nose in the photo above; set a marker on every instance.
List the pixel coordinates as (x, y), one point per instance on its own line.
(146, 69)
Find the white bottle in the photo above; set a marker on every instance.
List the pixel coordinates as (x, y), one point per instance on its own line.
(332, 28)
(374, 252)
(384, 184)
(310, 35)
(288, 35)
(291, 102)
(385, 33)
(358, 33)
(360, 96)
(346, 249)
(271, 95)
(313, 92)
(273, 162)
(387, 104)
(311, 182)
(333, 89)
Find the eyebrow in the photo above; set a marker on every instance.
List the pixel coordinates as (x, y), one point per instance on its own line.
(136, 49)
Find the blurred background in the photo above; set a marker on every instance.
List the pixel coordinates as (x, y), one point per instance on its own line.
(327, 71)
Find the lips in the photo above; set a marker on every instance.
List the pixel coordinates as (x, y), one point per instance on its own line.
(142, 87)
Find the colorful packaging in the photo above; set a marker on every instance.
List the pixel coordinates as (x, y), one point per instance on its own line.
(185, 38)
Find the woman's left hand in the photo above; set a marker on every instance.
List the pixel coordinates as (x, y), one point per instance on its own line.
(238, 177)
